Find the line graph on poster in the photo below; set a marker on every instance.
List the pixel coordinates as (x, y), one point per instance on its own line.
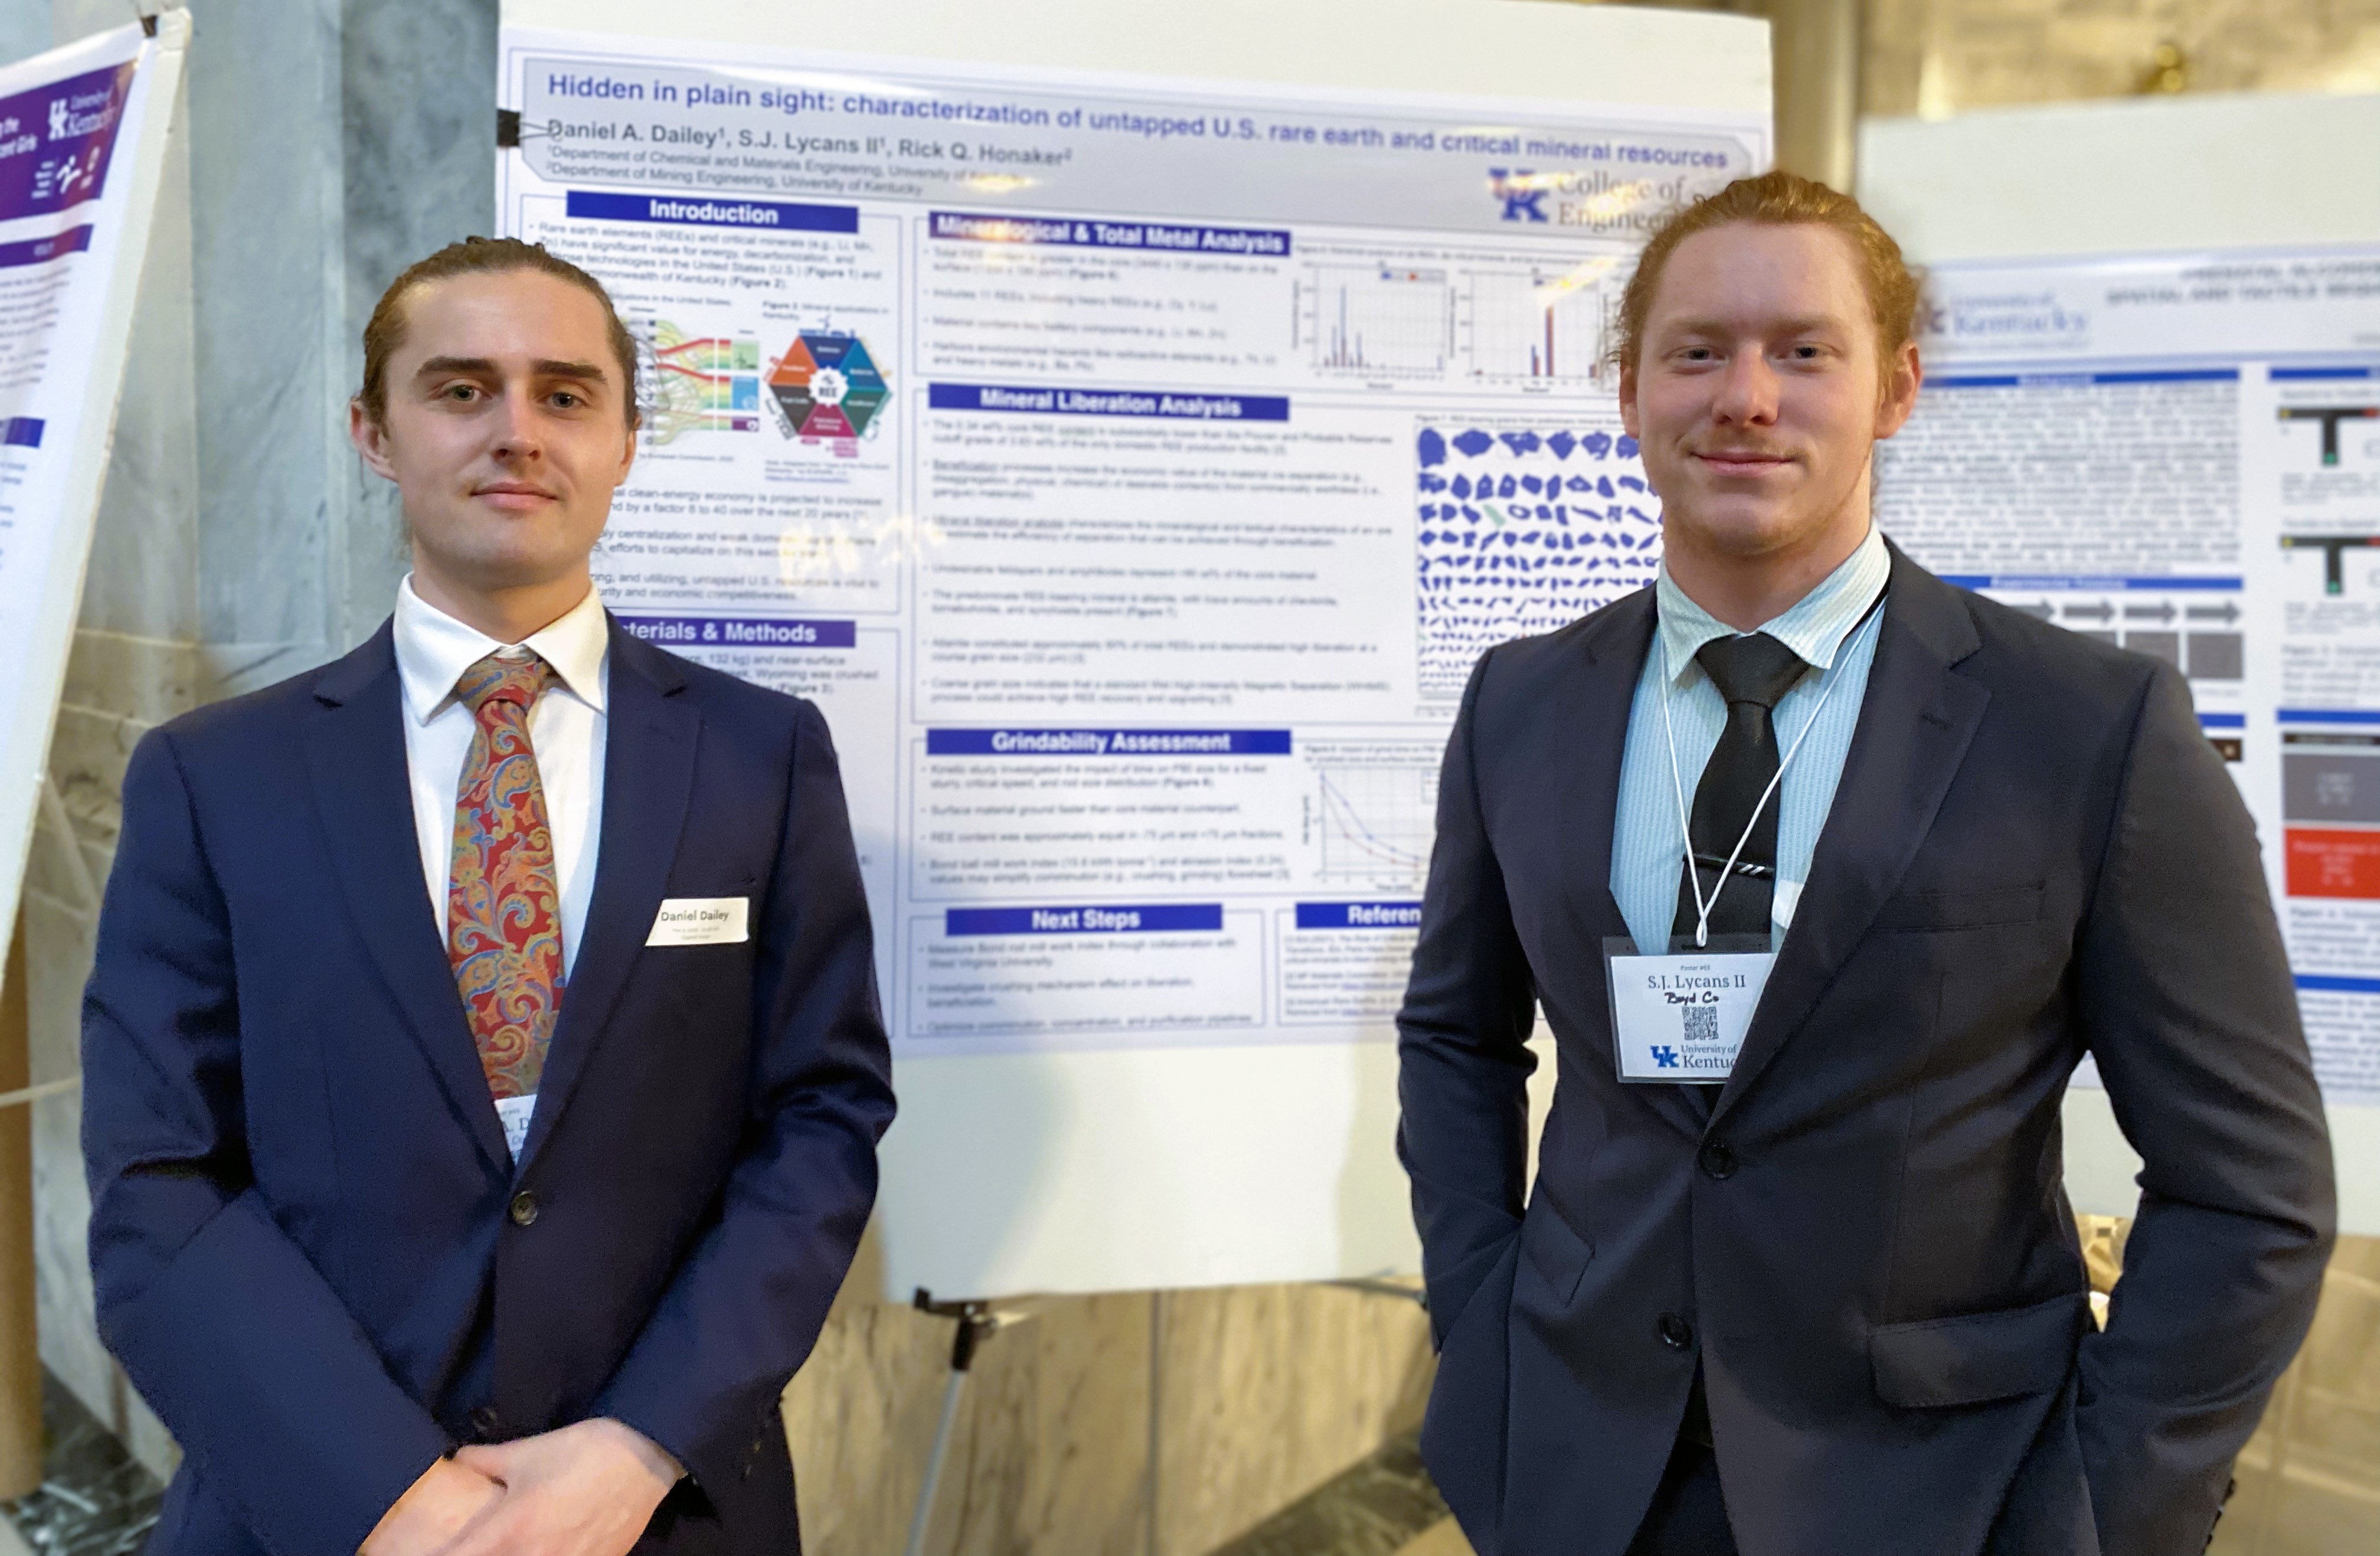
(825, 389)
(1371, 814)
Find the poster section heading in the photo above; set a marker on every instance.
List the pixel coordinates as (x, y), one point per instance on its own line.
(590, 205)
(742, 632)
(1154, 919)
(1359, 916)
(1107, 743)
(897, 133)
(1107, 402)
(960, 227)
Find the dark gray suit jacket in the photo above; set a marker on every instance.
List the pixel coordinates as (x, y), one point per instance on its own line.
(2033, 855)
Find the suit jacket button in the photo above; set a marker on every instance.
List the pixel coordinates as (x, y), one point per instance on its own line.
(486, 1423)
(1676, 1333)
(524, 1208)
(1718, 1159)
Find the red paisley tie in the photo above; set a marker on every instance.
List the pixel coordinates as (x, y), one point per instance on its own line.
(504, 914)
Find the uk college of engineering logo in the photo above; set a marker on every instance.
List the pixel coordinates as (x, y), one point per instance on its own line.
(1518, 189)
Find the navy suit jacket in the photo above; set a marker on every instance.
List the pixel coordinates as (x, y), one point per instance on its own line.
(1864, 1241)
(313, 1255)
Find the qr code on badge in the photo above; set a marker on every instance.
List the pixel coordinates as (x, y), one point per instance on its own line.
(1702, 1022)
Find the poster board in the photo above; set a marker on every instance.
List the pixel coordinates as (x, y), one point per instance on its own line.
(82, 147)
(1107, 413)
(2176, 308)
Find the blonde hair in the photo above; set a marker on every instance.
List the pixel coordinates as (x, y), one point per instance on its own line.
(1778, 199)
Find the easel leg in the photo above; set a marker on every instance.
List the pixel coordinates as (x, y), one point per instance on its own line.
(924, 1515)
(976, 1320)
(20, 1358)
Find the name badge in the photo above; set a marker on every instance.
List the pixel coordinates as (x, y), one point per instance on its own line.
(516, 1113)
(1682, 1016)
(700, 921)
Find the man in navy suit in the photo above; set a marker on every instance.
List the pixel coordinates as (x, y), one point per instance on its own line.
(1825, 876)
(482, 1064)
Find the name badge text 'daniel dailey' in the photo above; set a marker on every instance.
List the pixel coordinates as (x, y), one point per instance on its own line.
(700, 921)
(1682, 1016)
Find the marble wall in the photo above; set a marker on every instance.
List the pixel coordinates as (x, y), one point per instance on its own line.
(238, 541)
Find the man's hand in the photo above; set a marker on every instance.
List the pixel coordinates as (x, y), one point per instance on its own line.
(587, 1489)
(435, 1509)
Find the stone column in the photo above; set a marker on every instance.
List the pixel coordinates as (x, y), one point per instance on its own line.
(1818, 84)
(322, 145)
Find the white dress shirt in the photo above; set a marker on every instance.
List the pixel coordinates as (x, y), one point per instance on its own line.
(565, 730)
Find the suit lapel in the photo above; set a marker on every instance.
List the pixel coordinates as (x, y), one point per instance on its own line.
(355, 749)
(1593, 730)
(1914, 726)
(649, 743)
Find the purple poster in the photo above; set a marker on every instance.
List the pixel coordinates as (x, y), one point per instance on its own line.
(54, 141)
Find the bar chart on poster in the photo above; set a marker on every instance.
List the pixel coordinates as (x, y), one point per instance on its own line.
(1130, 455)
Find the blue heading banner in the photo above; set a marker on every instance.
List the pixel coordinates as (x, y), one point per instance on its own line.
(968, 227)
(1108, 402)
(2326, 715)
(1157, 920)
(38, 250)
(2053, 580)
(742, 632)
(2283, 375)
(587, 205)
(21, 432)
(1359, 916)
(2082, 379)
(2329, 985)
(1107, 742)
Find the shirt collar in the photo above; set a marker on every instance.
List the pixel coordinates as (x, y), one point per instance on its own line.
(433, 649)
(1814, 627)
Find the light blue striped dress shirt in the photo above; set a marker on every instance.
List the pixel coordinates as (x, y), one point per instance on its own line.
(1648, 835)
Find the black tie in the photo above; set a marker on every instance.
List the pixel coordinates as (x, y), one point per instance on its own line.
(1752, 672)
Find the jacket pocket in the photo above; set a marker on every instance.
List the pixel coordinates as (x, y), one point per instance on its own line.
(1559, 1253)
(1960, 911)
(1977, 1356)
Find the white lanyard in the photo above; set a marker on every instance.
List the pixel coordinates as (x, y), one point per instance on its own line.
(1685, 822)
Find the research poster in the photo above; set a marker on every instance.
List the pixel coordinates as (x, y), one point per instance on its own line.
(83, 138)
(1130, 468)
(2181, 456)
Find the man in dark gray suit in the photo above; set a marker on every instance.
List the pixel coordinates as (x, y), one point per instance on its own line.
(1878, 863)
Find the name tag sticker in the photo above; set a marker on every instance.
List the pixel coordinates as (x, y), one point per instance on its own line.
(1682, 1016)
(516, 1113)
(701, 921)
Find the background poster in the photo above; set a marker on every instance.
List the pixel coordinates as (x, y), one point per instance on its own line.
(83, 138)
(2181, 454)
(1130, 468)
(1131, 471)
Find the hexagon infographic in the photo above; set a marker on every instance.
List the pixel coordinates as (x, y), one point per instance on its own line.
(827, 386)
